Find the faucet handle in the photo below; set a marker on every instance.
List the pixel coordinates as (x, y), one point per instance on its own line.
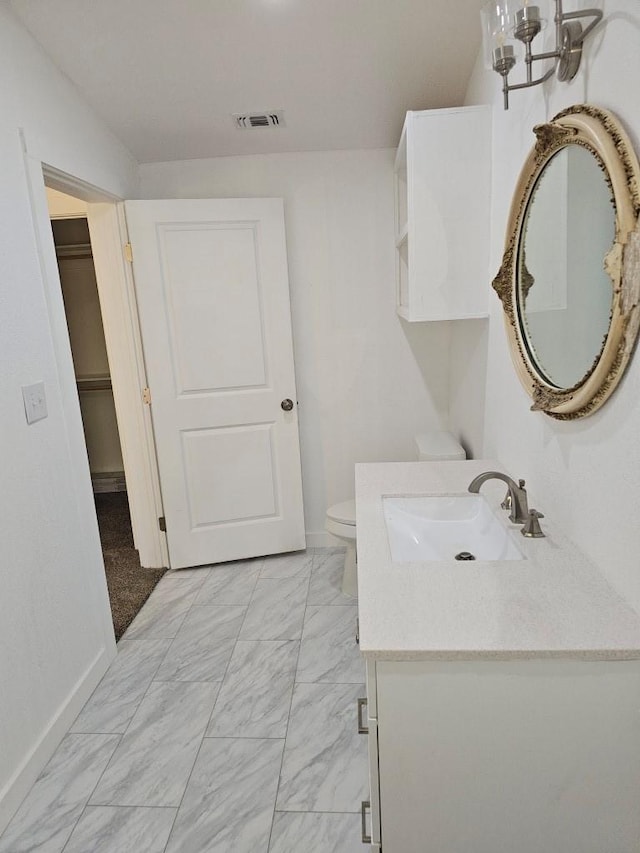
(507, 503)
(531, 528)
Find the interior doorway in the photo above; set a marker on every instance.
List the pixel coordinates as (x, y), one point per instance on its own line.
(128, 583)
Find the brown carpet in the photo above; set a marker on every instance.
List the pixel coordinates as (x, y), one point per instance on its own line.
(129, 584)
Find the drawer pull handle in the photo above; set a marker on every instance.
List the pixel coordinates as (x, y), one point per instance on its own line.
(366, 804)
(362, 728)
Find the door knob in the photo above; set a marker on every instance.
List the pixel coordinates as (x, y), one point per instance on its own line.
(286, 404)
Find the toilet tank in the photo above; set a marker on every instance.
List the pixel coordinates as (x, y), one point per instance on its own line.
(438, 446)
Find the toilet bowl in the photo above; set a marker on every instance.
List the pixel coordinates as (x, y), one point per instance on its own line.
(436, 446)
(341, 522)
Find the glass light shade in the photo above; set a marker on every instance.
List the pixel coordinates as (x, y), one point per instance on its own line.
(497, 27)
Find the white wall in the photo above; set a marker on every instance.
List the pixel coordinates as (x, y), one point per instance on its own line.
(584, 474)
(55, 633)
(366, 381)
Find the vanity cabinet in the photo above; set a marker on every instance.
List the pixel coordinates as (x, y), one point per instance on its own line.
(507, 755)
(442, 200)
(503, 695)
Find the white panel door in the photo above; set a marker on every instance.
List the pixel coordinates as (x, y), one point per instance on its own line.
(213, 297)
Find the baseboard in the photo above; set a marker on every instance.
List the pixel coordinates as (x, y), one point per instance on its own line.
(322, 540)
(20, 783)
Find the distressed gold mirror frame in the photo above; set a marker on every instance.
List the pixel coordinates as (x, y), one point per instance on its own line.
(600, 133)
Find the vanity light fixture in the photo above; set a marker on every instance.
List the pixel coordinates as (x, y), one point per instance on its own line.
(503, 24)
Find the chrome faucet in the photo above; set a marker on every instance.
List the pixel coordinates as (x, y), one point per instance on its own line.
(517, 494)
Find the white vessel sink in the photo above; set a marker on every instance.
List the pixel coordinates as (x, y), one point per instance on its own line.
(441, 527)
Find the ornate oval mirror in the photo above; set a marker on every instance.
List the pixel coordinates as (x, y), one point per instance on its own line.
(570, 277)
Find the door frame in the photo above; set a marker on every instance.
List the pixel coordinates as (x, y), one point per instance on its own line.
(107, 226)
(108, 230)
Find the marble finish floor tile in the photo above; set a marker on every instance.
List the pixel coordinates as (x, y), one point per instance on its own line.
(276, 610)
(203, 691)
(255, 697)
(121, 829)
(49, 813)
(203, 645)
(156, 754)
(332, 549)
(329, 651)
(230, 583)
(326, 579)
(297, 564)
(228, 804)
(294, 832)
(115, 700)
(200, 572)
(165, 609)
(324, 768)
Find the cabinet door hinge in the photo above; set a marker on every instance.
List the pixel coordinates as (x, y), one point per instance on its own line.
(162, 524)
(146, 396)
(128, 252)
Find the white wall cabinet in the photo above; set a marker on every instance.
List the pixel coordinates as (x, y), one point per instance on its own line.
(489, 756)
(443, 188)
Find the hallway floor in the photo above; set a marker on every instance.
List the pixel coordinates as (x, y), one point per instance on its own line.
(226, 723)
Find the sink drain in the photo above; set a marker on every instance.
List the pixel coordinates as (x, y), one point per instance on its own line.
(465, 555)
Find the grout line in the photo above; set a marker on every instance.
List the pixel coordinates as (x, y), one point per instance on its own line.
(142, 698)
(171, 644)
(204, 733)
(293, 687)
(143, 637)
(149, 808)
(314, 811)
(119, 652)
(179, 806)
(253, 737)
(188, 680)
(120, 735)
(91, 793)
(244, 737)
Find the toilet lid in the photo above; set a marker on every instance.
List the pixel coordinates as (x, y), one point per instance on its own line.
(344, 513)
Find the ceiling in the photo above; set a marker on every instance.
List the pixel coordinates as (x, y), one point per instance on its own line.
(166, 75)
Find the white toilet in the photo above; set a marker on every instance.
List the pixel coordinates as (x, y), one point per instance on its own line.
(434, 446)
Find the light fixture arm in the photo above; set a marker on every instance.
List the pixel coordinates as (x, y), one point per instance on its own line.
(596, 14)
(506, 87)
(570, 36)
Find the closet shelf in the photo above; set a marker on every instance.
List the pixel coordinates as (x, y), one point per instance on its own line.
(74, 251)
(93, 383)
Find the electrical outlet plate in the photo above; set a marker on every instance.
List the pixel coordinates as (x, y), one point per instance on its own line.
(35, 402)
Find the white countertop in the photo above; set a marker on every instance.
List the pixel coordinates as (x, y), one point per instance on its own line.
(553, 604)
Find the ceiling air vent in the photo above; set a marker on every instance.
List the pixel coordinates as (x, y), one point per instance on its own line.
(247, 121)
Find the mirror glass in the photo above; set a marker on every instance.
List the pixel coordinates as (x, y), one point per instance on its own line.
(564, 295)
